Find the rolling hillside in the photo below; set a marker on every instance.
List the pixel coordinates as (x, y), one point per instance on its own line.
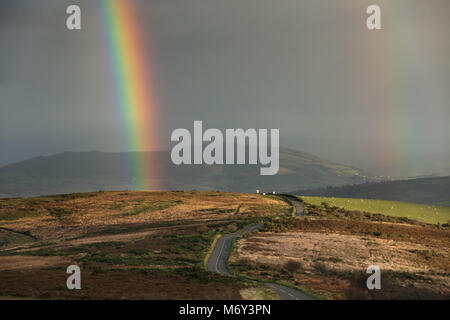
(420, 212)
(92, 171)
(136, 245)
(424, 190)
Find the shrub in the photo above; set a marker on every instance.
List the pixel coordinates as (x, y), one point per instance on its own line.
(293, 266)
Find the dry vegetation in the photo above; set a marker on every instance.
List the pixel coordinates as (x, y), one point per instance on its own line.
(78, 214)
(130, 245)
(152, 245)
(329, 251)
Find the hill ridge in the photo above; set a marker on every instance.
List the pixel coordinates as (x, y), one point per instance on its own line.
(86, 171)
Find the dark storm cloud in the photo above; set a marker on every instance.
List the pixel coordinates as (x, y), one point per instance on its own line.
(308, 67)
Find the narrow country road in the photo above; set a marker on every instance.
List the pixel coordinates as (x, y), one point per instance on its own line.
(299, 210)
(218, 260)
(287, 293)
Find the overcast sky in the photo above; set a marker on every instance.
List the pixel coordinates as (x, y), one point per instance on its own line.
(310, 68)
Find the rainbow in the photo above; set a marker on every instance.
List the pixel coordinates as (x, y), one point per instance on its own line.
(397, 67)
(134, 94)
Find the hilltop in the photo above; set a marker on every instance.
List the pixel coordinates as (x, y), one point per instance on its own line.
(92, 171)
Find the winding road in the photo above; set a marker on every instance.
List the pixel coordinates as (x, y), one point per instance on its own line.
(299, 210)
(217, 262)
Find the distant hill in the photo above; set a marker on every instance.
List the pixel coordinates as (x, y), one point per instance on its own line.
(424, 190)
(92, 171)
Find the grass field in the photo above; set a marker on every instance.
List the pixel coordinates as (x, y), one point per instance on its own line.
(424, 213)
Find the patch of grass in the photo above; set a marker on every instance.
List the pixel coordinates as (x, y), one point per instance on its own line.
(21, 212)
(150, 207)
(130, 228)
(244, 265)
(274, 209)
(216, 210)
(194, 273)
(118, 206)
(70, 251)
(330, 259)
(47, 252)
(175, 250)
(147, 258)
(59, 213)
(427, 254)
(424, 213)
(278, 224)
(190, 245)
(320, 267)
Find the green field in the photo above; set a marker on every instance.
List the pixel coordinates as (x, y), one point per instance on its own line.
(420, 212)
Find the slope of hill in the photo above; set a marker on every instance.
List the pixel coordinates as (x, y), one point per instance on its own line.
(420, 212)
(91, 171)
(131, 245)
(424, 190)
